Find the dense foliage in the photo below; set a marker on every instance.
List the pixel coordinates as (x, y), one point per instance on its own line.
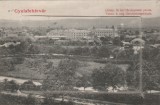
(110, 75)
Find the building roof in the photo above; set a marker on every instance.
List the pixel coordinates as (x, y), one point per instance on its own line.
(139, 40)
(103, 30)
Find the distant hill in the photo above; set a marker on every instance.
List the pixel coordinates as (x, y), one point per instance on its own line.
(82, 23)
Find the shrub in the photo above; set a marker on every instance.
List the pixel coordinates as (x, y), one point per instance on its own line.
(30, 100)
(48, 101)
(129, 98)
(152, 99)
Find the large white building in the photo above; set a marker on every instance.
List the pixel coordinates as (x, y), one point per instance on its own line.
(76, 34)
(57, 33)
(104, 32)
(68, 34)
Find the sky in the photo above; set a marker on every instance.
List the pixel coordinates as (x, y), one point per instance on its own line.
(72, 7)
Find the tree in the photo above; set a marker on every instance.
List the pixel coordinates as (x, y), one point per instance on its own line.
(83, 81)
(28, 85)
(103, 51)
(14, 47)
(110, 75)
(150, 77)
(137, 32)
(94, 51)
(126, 54)
(157, 62)
(105, 40)
(122, 37)
(12, 85)
(62, 77)
(33, 49)
(107, 26)
(150, 53)
(30, 100)
(5, 84)
(112, 27)
(7, 64)
(48, 101)
(117, 41)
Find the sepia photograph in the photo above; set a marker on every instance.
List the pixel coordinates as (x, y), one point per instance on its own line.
(80, 53)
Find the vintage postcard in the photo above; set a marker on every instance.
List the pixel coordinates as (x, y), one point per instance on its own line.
(79, 52)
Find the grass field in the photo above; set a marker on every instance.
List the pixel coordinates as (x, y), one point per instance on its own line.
(24, 72)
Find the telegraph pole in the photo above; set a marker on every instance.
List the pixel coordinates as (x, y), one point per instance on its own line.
(141, 62)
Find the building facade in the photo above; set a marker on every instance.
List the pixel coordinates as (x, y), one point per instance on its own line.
(75, 34)
(108, 32)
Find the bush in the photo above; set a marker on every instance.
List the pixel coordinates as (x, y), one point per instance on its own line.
(11, 85)
(128, 98)
(66, 103)
(48, 101)
(152, 99)
(18, 100)
(113, 61)
(30, 100)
